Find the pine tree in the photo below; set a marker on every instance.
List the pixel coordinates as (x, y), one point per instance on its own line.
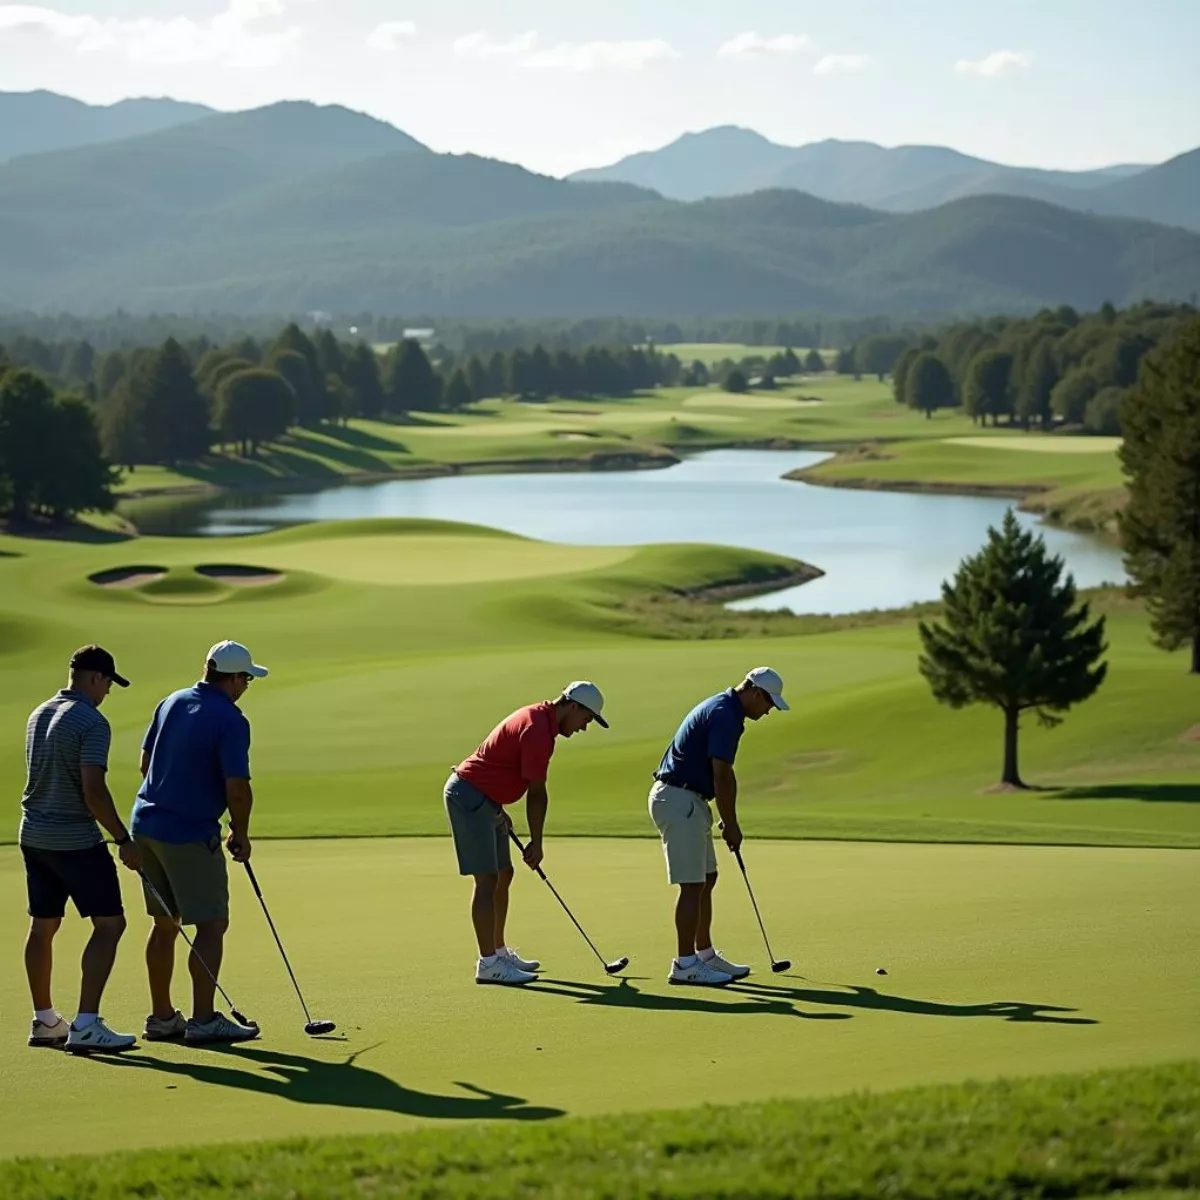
(987, 389)
(1038, 377)
(26, 439)
(1012, 635)
(173, 412)
(1160, 527)
(477, 378)
(363, 379)
(293, 366)
(458, 390)
(411, 382)
(814, 364)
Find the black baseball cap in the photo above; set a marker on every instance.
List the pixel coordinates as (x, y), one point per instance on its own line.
(96, 658)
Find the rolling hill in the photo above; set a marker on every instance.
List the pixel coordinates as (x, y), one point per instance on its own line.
(293, 207)
(36, 122)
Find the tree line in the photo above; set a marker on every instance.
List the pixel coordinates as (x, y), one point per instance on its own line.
(1056, 368)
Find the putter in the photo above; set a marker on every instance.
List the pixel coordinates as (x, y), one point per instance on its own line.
(237, 1016)
(610, 968)
(784, 964)
(311, 1027)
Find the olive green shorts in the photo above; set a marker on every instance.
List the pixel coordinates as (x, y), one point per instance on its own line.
(190, 877)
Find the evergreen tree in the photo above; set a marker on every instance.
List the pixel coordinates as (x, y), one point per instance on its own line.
(847, 363)
(27, 448)
(928, 384)
(293, 366)
(878, 354)
(541, 372)
(80, 362)
(477, 378)
(109, 373)
(567, 374)
(1035, 387)
(1012, 635)
(814, 364)
(458, 390)
(520, 374)
(736, 382)
(1160, 454)
(80, 479)
(1103, 415)
(900, 374)
(122, 435)
(174, 414)
(363, 379)
(412, 384)
(987, 389)
(330, 359)
(497, 370)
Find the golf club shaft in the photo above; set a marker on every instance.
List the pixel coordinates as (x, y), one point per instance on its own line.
(517, 842)
(191, 945)
(282, 951)
(738, 855)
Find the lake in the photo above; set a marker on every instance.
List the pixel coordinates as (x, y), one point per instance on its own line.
(878, 549)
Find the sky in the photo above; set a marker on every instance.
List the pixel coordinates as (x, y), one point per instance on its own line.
(558, 86)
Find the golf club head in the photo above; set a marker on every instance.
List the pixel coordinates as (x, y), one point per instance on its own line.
(316, 1028)
(615, 968)
(783, 965)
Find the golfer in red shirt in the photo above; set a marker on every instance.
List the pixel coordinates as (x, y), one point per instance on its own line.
(511, 763)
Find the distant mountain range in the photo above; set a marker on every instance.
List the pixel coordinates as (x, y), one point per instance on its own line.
(295, 207)
(730, 161)
(34, 122)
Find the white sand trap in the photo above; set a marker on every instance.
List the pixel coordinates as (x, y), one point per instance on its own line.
(1042, 445)
(127, 577)
(240, 576)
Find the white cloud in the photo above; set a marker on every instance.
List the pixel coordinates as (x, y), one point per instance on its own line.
(841, 64)
(751, 43)
(480, 45)
(999, 62)
(230, 37)
(598, 56)
(390, 34)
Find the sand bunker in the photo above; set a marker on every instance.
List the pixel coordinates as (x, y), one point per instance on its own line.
(127, 577)
(238, 575)
(569, 435)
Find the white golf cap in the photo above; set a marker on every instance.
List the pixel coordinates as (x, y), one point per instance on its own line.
(589, 696)
(233, 659)
(771, 682)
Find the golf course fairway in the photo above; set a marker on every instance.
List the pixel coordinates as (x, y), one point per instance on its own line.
(1001, 960)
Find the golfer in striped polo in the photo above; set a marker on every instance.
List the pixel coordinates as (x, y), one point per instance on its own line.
(511, 763)
(696, 769)
(66, 801)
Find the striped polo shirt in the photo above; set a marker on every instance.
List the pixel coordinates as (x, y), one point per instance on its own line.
(63, 736)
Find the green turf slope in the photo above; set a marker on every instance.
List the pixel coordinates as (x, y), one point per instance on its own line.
(395, 647)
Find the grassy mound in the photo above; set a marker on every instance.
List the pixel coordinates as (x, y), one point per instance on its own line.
(1107, 1133)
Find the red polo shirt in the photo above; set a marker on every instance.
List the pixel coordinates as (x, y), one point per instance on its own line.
(516, 753)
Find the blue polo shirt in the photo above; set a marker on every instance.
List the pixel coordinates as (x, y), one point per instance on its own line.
(198, 738)
(711, 730)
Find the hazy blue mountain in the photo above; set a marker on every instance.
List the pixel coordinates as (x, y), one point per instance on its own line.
(1169, 193)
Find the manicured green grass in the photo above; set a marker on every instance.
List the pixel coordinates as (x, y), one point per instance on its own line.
(1132, 1133)
(395, 647)
(715, 352)
(1001, 961)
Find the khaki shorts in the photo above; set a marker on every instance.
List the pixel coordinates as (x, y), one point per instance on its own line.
(685, 822)
(191, 878)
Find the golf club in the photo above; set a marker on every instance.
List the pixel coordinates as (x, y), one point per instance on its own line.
(784, 964)
(610, 968)
(311, 1027)
(237, 1016)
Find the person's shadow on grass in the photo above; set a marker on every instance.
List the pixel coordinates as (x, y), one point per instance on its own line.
(305, 1080)
(855, 996)
(625, 995)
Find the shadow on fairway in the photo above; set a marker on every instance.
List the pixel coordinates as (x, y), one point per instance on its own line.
(1173, 793)
(853, 996)
(307, 1080)
(625, 995)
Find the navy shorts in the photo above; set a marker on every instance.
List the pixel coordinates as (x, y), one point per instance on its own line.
(88, 878)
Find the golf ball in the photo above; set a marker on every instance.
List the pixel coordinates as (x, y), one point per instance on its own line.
(880, 971)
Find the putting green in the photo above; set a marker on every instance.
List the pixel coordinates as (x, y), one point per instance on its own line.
(1001, 961)
(1043, 445)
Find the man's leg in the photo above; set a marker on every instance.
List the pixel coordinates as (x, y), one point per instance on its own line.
(500, 903)
(98, 957)
(687, 917)
(39, 959)
(704, 924)
(160, 965)
(483, 912)
(210, 946)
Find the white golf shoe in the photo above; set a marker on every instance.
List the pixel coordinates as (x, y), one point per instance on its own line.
(503, 971)
(218, 1028)
(699, 974)
(720, 963)
(523, 964)
(97, 1038)
(53, 1034)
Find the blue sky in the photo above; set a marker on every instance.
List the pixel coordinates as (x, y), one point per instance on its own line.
(558, 86)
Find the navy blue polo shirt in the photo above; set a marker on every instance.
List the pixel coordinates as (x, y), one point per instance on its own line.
(711, 730)
(198, 738)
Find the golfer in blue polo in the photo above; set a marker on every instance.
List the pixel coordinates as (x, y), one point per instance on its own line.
(195, 767)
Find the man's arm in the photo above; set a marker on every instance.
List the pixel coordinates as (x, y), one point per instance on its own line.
(100, 804)
(726, 787)
(537, 801)
(239, 798)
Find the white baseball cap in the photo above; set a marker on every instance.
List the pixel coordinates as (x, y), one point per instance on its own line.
(771, 682)
(588, 696)
(233, 659)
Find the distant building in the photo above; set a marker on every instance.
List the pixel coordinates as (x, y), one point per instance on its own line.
(424, 336)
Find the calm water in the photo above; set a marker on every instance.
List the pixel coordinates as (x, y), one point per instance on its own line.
(878, 549)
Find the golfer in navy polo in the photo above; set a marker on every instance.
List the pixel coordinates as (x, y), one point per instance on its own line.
(195, 767)
(696, 769)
